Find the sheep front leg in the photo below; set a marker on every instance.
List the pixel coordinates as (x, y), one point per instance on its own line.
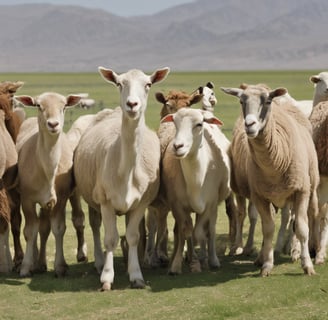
(44, 231)
(111, 241)
(265, 257)
(95, 224)
(31, 229)
(58, 227)
(6, 263)
(132, 237)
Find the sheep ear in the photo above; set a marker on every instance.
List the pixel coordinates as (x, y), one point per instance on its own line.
(26, 100)
(108, 74)
(160, 97)
(277, 93)
(210, 85)
(233, 91)
(168, 118)
(209, 118)
(195, 98)
(159, 75)
(72, 100)
(314, 79)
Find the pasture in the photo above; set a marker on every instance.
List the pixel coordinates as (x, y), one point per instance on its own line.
(235, 291)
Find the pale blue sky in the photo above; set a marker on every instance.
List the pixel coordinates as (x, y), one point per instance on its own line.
(118, 7)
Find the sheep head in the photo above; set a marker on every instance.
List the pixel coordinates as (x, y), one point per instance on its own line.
(189, 129)
(256, 106)
(209, 99)
(176, 100)
(134, 87)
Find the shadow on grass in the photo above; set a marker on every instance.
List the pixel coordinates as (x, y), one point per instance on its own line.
(83, 276)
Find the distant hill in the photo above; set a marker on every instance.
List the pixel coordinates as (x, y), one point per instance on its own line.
(202, 35)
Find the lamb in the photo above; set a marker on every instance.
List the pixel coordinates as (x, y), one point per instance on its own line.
(120, 174)
(46, 178)
(8, 159)
(196, 178)
(275, 138)
(320, 82)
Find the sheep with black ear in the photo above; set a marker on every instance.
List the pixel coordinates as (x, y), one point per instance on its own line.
(209, 99)
(275, 138)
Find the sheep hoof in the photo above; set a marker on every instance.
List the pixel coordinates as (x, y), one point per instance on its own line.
(137, 284)
(309, 271)
(319, 260)
(265, 272)
(107, 286)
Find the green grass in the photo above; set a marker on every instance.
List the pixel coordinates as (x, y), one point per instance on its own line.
(235, 291)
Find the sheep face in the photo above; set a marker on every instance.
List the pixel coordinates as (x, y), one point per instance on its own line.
(320, 82)
(189, 130)
(176, 100)
(51, 108)
(256, 106)
(209, 100)
(134, 87)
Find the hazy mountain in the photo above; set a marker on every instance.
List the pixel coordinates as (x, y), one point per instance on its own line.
(202, 35)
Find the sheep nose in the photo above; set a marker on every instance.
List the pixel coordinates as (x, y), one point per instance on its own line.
(132, 104)
(53, 124)
(177, 145)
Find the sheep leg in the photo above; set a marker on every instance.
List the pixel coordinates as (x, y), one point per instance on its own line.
(300, 207)
(133, 237)
(265, 257)
(31, 229)
(78, 223)
(95, 224)
(322, 232)
(182, 231)
(16, 222)
(151, 222)
(232, 211)
(285, 218)
(252, 215)
(237, 247)
(6, 263)
(58, 228)
(44, 231)
(111, 240)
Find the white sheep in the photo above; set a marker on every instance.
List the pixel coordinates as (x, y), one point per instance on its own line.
(45, 178)
(209, 99)
(196, 178)
(120, 173)
(320, 82)
(277, 138)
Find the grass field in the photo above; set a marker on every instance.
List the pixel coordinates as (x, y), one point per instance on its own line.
(235, 291)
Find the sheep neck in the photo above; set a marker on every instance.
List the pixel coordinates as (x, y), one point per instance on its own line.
(270, 149)
(194, 169)
(131, 136)
(49, 147)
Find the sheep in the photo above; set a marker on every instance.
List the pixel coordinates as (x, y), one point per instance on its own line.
(45, 179)
(209, 99)
(319, 121)
(320, 82)
(276, 138)
(8, 160)
(74, 134)
(120, 174)
(196, 178)
(14, 116)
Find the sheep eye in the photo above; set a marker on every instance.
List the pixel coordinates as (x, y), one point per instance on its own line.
(119, 86)
(148, 85)
(199, 125)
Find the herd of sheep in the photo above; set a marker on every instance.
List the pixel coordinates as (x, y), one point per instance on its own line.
(277, 159)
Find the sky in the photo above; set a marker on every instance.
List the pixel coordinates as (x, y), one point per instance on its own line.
(125, 8)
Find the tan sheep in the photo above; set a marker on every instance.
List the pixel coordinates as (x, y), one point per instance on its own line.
(45, 178)
(277, 138)
(120, 174)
